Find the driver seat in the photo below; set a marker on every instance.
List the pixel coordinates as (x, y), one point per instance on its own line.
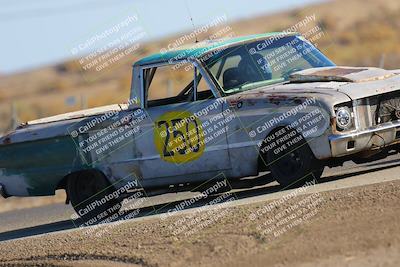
(231, 78)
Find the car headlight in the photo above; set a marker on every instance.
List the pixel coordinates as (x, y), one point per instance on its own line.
(343, 118)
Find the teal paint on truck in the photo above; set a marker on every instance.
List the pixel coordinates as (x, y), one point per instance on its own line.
(40, 165)
(199, 49)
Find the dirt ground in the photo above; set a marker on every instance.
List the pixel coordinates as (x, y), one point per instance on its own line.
(349, 227)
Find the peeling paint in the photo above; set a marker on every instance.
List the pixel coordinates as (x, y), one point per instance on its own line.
(341, 74)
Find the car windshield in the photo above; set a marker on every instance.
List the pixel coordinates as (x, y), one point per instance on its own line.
(262, 63)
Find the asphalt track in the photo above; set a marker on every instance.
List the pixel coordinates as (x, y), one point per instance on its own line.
(57, 217)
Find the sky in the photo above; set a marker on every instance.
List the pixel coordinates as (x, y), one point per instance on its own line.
(44, 32)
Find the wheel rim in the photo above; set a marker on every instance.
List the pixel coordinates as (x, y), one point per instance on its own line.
(87, 185)
(289, 164)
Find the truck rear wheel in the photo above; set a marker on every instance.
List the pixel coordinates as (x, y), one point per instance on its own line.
(292, 163)
(87, 192)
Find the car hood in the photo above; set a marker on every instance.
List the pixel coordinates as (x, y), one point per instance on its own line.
(355, 82)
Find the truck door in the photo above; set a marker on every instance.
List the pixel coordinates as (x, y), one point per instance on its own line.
(184, 137)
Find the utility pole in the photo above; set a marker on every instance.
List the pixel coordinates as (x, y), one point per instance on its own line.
(382, 61)
(84, 102)
(170, 88)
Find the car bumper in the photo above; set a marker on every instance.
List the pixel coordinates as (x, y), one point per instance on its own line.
(372, 138)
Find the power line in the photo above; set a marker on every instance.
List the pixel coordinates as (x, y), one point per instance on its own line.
(51, 11)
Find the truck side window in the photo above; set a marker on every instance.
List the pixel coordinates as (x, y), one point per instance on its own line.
(172, 84)
(169, 82)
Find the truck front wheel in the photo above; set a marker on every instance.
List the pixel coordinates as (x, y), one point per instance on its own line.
(290, 159)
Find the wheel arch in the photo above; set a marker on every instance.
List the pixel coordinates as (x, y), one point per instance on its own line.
(64, 181)
(262, 156)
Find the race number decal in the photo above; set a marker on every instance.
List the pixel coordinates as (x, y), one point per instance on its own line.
(178, 137)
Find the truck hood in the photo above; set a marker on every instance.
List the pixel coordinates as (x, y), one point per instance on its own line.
(79, 114)
(341, 74)
(355, 82)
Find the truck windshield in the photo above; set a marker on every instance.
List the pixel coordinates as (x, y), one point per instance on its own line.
(262, 63)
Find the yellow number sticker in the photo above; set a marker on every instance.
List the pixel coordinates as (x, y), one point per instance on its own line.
(179, 137)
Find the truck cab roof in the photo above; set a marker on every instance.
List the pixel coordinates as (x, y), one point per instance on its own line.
(199, 49)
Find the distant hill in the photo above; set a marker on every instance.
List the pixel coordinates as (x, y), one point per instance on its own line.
(351, 32)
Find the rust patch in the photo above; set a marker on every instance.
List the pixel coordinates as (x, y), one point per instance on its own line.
(341, 74)
(22, 125)
(337, 72)
(277, 99)
(234, 101)
(302, 99)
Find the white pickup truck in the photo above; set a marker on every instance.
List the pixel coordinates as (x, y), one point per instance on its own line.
(218, 110)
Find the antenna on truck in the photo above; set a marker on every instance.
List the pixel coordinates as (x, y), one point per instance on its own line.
(191, 20)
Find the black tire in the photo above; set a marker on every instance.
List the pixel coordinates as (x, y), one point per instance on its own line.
(87, 188)
(293, 164)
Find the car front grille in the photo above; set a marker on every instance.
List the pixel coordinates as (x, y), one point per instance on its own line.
(388, 107)
(378, 109)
